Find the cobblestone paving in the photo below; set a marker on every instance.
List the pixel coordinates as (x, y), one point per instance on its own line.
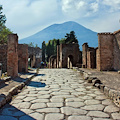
(60, 94)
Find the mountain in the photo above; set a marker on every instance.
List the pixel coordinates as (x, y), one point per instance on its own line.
(59, 31)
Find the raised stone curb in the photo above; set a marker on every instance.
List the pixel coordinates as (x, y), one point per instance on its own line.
(112, 94)
(7, 96)
(6, 79)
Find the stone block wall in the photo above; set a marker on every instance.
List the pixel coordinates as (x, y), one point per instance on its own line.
(35, 54)
(84, 54)
(3, 57)
(53, 61)
(58, 56)
(105, 51)
(88, 56)
(22, 58)
(116, 51)
(69, 50)
(12, 55)
(117, 37)
(97, 59)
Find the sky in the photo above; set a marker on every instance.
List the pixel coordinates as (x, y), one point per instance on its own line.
(27, 17)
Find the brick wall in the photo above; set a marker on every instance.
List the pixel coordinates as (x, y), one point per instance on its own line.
(22, 58)
(116, 51)
(67, 50)
(3, 57)
(35, 54)
(84, 54)
(105, 51)
(58, 55)
(12, 55)
(88, 56)
(97, 59)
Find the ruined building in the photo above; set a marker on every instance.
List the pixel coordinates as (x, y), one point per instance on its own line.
(68, 55)
(88, 56)
(14, 56)
(106, 56)
(108, 52)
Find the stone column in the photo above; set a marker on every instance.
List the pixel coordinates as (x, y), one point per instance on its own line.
(84, 54)
(58, 55)
(12, 55)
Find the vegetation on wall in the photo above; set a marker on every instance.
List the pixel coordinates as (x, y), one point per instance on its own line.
(31, 44)
(50, 48)
(4, 31)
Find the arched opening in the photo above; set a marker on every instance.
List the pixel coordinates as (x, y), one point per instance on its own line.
(52, 63)
(31, 61)
(70, 61)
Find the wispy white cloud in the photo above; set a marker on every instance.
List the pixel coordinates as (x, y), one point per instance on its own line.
(23, 15)
(80, 8)
(27, 17)
(114, 5)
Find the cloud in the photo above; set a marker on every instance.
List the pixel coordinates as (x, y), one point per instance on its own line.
(114, 5)
(24, 16)
(80, 8)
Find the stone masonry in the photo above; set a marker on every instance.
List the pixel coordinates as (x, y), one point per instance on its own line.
(68, 55)
(88, 56)
(108, 53)
(12, 55)
(3, 57)
(67, 50)
(22, 58)
(35, 55)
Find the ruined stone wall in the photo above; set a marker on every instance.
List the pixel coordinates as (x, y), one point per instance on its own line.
(105, 51)
(3, 57)
(69, 50)
(58, 55)
(53, 61)
(91, 57)
(36, 56)
(116, 52)
(12, 55)
(97, 59)
(22, 58)
(88, 56)
(84, 54)
(117, 37)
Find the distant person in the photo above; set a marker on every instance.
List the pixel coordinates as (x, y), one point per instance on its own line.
(42, 64)
(45, 65)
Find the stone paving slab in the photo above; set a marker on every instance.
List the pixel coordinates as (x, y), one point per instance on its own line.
(65, 96)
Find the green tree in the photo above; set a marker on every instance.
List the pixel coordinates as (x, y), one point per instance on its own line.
(43, 51)
(62, 41)
(36, 45)
(2, 17)
(70, 38)
(4, 35)
(4, 31)
(31, 44)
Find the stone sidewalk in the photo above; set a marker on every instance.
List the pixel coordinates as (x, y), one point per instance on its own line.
(60, 94)
(110, 79)
(10, 87)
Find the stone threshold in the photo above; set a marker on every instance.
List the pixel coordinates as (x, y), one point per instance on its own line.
(113, 94)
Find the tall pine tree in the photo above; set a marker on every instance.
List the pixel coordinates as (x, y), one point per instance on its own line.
(43, 51)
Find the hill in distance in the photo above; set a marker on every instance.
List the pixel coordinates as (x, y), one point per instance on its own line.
(59, 31)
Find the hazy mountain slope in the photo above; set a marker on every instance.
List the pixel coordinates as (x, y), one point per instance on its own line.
(59, 31)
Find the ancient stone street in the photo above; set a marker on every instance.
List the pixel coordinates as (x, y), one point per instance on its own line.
(60, 94)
